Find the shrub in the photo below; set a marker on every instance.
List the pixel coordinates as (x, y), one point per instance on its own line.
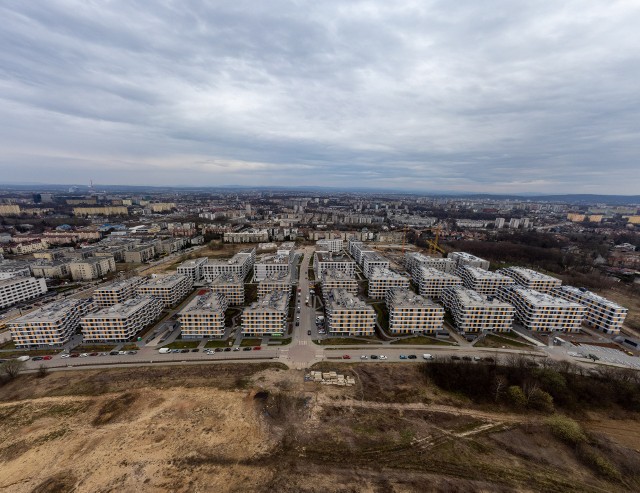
(567, 430)
(540, 401)
(516, 397)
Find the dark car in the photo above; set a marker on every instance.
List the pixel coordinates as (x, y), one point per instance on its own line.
(297, 324)
(466, 358)
(246, 348)
(218, 350)
(196, 350)
(184, 351)
(455, 357)
(74, 355)
(114, 353)
(412, 356)
(308, 332)
(227, 349)
(374, 356)
(37, 358)
(93, 354)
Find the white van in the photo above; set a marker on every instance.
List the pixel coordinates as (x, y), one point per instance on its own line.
(427, 356)
(164, 350)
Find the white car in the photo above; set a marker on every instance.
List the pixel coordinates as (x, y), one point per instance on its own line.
(364, 356)
(64, 356)
(382, 356)
(84, 355)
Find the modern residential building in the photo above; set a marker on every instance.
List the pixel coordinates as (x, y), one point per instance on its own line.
(269, 264)
(382, 279)
(542, 312)
(117, 292)
(287, 248)
(431, 281)
(483, 281)
(347, 315)
(338, 279)
(51, 269)
(268, 315)
(203, 316)
(601, 313)
(91, 268)
(247, 236)
(358, 249)
(473, 312)
(193, 268)
(100, 211)
(373, 260)
(171, 289)
(532, 279)
(231, 285)
(333, 245)
(464, 258)
(412, 260)
(17, 289)
(140, 254)
(14, 268)
(410, 313)
(121, 322)
(53, 325)
(275, 281)
(323, 261)
(240, 264)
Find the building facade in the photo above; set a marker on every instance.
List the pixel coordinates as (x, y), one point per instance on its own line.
(483, 281)
(410, 313)
(267, 316)
(193, 268)
(382, 280)
(347, 315)
(91, 268)
(532, 279)
(121, 322)
(464, 258)
(17, 289)
(117, 292)
(474, 313)
(171, 289)
(231, 285)
(600, 313)
(431, 282)
(240, 264)
(323, 261)
(203, 316)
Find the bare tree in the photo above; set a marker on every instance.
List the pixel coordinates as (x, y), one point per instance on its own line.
(499, 386)
(12, 368)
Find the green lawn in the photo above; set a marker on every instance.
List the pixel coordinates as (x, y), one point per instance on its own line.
(383, 315)
(180, 344)
(93, 348)
(8, 345)
(345, 341)
(279, 342)
(495, 341)
(423, 340)
(130, 347)
(218, 343)
(250, 342)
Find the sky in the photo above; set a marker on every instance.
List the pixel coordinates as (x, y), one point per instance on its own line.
(500, 96)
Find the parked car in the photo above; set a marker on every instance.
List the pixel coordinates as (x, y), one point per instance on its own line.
(454, 357)
(93, 354)
(346, 356)
(382, 356)
(308, 332)
(84, 355)
(65, 355)
(227, 349)
(236, 348)
(47, 358)
(374, 356)
(403, 356)
(364, 356)
(114, 353)
(412, 356)
(246, 348)
(132, 352)
(74, 355)
(257, 348)
(195, 350)
(466, 358)
(218, 350)
(427, 356)
(122, 353)
(37, 358)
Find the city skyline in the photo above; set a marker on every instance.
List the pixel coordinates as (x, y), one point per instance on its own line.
(500, 99)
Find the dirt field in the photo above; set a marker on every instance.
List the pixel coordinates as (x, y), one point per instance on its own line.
(235, 429)
(628, 300)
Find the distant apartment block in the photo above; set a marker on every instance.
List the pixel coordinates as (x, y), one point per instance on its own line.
(231, 285)
(338, 279)
(473, 312)
(358, 249)
(373, 260)
(14, 268)
(601, 313)
(413, 260)
(53, 325)
(270, 264)
(17, 289)
(121, 322)
(381, 280)
(117, 292)
(431, 282)
(171, 289)
(203, 316)
(268, 315)
(240, 264)
(347, 315)
(193, 268)
(464, 258)
(323, 261)
(532, 279)
(247, 236)
(541, 312)
(333, 245)
(52, 269)
(275, 281)
(9, 210)
(140, 254)
(101, 211)
(91, 268)
(410, 313)
(483, 281)
(499, 224)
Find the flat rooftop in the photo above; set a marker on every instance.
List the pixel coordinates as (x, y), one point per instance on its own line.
(121, 310)
(470, 298)
(341, 298)
(205, 303)
(163, 281)
(405, 298)
(50, 312)
(528, 274)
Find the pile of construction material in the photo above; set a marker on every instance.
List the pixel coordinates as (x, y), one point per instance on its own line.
(329, 378)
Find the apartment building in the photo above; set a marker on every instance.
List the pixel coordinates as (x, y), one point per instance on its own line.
(117, 292)
(382, 279)
(348, 315)
(287, 248)
(542, 312)
(358, 249)
(91, 268)
(14, 268)
(337, 279)
(532, 279)
(275, 281)
(431, 281)
(267, 316)
(271, 264)
(53, 325)
(100, 211)
(171, 289)
(231, 285)
(473, 312)
(193, 268)
(121, 322)
(240, 264)
(247, 236)
(483, 281)
(323, 261)
(17, 289)
(140, 254)
(53, 269)
(412, 260)
(171, 245)
(464, 258)
(333, 245)
(203, 316)
(373, 260)
(410, 313)
(601, 313)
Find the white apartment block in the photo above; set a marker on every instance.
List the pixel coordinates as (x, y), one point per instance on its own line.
(532, 279)
(91, 268)
(53, 325)
(54, 269)
(323, 261)
(117, 292)
(431, 282)
(271, 264)
(240, 264)
(276, 281)
(542, 312)
(17, 289)
(348, 315)
(231, 285)
(357, 249)
(121, 322)
(410, 313)
(412, 260)
(483, 281)
(10, 269)
(140, 254)
(203, 316)
(337, 279)
(171, 289)
(193, 268)
(601, 313)
(473, 312)
(381, 280)
(267, 316)
(333, 245)
(287, 248)
(464, 258)
(373, 260)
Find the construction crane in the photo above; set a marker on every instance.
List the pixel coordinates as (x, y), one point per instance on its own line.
(434, 247)
(404, 238)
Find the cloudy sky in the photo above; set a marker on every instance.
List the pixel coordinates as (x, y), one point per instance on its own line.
(496, 96)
